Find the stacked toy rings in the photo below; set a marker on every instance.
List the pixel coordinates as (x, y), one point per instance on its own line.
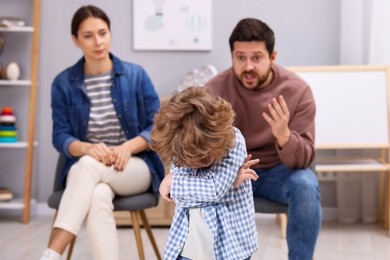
(8, 132)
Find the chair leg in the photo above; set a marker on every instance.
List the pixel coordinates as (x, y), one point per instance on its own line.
(387, 204)
(137, 234)
(150, 234)
(70, 248)
(283, 224)
(277, 219)
(381, 191)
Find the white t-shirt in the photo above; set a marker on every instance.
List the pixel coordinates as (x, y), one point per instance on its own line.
(199, 244)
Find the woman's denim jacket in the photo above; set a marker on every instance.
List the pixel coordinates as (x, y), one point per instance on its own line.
(135, 101)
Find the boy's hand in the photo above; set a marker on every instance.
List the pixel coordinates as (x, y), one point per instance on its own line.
(245, 172)
(165, 187)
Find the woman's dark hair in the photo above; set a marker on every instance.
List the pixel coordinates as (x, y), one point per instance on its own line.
(85, 12)
(251, 29)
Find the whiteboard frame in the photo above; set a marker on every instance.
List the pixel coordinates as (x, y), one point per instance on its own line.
(364, 68)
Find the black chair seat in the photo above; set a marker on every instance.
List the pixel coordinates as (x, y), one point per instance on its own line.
(54, 200)
(135, 202)
(263, 205)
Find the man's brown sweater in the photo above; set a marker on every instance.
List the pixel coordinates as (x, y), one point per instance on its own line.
(249, 106)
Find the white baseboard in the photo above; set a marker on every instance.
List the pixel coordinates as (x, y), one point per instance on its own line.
(36, 209)
(41, 209)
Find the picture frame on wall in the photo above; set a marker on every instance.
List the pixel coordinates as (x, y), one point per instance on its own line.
(172, 25)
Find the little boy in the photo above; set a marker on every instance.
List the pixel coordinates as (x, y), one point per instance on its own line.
(209, 179)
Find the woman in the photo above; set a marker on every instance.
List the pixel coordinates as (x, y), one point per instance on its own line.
(103, 111)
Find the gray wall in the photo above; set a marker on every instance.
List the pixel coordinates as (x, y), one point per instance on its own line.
(307, 33)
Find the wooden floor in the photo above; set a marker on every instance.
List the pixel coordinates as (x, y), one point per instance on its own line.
(337, 241)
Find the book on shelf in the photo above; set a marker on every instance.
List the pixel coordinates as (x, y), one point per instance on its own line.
(5, 194)
(10, 22)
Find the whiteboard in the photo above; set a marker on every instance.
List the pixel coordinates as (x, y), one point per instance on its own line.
(352, 105)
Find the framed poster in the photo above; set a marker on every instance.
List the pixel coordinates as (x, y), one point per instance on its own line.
(174, 25)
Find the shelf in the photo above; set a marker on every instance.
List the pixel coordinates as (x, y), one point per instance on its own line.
(15, 82)
(17, 29)
(14, 204)
(15, 144)
(15, 44)
(353, 164)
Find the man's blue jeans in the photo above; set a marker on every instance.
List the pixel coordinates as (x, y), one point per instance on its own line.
(299, 188)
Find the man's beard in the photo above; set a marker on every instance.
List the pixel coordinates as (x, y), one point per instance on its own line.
(260, 79)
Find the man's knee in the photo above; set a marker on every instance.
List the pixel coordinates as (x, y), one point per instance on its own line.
(305, 182)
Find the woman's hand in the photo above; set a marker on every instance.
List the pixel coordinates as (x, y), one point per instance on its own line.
(101, 152)
(122, 154)
(245, 172)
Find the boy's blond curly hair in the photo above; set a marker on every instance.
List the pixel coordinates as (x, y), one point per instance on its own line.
(193, 129)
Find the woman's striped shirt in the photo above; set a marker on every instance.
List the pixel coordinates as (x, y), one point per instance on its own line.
(103, 125)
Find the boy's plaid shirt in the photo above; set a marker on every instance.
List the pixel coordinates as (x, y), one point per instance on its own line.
(228, 212)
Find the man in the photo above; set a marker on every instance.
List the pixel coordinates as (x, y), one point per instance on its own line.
(275, 112)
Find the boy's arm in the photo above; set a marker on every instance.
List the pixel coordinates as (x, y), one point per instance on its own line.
(165, 187)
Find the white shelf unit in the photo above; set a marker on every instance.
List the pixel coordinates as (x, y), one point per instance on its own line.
(17, 203)
(19, 39)
(351, 164)
(17, 29)
(16, 145)
(15, 82)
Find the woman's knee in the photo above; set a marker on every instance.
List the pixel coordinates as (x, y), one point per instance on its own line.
(136, 178)
(86, 161)
(84, 165)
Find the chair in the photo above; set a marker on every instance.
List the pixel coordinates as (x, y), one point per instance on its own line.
(135, 204)
(263, 205)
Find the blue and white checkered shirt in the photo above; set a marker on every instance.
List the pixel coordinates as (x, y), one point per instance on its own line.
(229, 213)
